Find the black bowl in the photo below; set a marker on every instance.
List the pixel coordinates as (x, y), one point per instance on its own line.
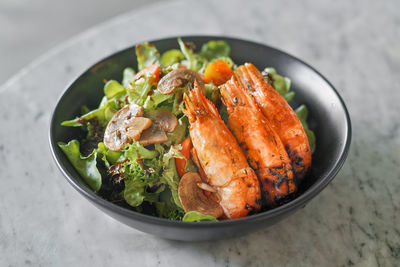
(328, 117)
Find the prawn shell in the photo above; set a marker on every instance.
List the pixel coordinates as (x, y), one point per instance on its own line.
(221, 158)
(281, 117)
(261, 145)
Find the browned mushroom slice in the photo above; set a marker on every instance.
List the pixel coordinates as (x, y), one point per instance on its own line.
(135, 126)
(163, 118)
(179, 78)
(154, 135)
(193, 198)
(124, 127)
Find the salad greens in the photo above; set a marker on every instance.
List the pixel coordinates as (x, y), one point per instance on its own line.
(280, 83)
(302, 113)
(145, 179)
(147, 54)
(195, 216)
(86, 166)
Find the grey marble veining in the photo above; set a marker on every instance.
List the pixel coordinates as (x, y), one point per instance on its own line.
(354, 221)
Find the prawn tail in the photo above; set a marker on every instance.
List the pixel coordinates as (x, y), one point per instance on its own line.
(197, 105)
(189, 109)
(278, 184)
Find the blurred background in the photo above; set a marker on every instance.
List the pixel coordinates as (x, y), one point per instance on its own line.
(30, 28)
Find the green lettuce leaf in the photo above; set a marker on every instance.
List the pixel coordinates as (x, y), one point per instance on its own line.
(180, 133)
(109, 157)
(103, 114)
(157, 99)
(302, 114)
(112, 88)
(281, 84)
(136, 151)
(215, 49)
(147, 54)
(169, 175)
(140, 91)
(194, 61)
(84, 109)
(156, 170)
(212, 93)
(139, 177)
(86, 166)
(166, 207)
(127, 77)
(171, 57)
(195, 216)
(135, 183)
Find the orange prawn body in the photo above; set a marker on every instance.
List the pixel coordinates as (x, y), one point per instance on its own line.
(261, 145)
(280, 116)
(221, 158)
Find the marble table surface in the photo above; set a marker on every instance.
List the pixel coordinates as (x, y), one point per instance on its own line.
(354, 221)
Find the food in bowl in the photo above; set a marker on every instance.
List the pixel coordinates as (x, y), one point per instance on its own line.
(192, 136)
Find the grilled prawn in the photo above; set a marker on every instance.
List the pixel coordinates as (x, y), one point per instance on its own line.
(280, 116)
(219, 154)
(261, 145)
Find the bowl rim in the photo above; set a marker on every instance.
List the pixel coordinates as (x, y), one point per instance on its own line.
(299, 201)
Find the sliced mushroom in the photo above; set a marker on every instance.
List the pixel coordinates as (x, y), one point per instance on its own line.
(125, 126)
(163, 118)
(135, 126)
(179, 78)
(153, 135)
(193, 198)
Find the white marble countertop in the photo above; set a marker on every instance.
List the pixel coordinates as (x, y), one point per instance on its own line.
(354, 221)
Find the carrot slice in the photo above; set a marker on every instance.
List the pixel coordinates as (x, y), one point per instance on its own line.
(218, 72)
(185, 151)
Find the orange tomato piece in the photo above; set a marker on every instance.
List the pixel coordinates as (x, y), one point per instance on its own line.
(152, 69)
(218, 72)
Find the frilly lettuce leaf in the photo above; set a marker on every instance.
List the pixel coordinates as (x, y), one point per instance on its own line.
(171, 57)
(180, 133)
(109, 157)
(136, 151)
(166, 207)
(281, 84)
(86, 166)
(103, 114)
(112, 88)
(139, 176)
(302, 114)
(127, 77)
(170, 175)
(136, 181)
(146, 169)
(147, 54)
(194, 61)
(215, 49)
